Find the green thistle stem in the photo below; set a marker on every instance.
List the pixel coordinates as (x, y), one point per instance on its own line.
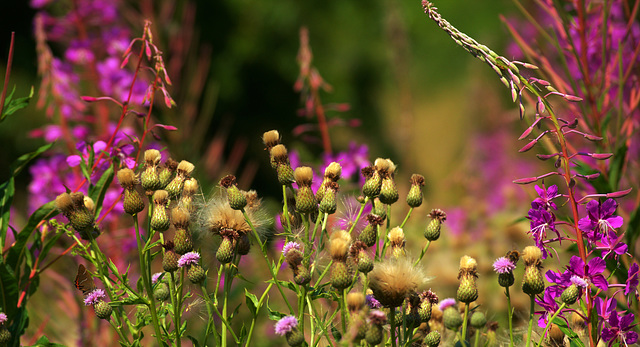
(509, 317)
(225, 299)
(477, 339)
(530, 329)
(424, 251)
(463, 335)
(209, 313)
(343, 310)
(285, 209)
(253, 320)
(144, 270)
(311, 320)
(406, 218)
(324, 272)
(266, 258)
(176, 303)
(555, 314)
(362, 205)
(123, 339)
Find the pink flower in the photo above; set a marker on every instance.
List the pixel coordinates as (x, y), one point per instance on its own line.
(94, 297)
(286, 324)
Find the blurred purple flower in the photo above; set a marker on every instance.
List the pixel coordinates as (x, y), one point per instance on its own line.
(94, 297)
(3, 318)
(286, 324)
(446, 303)
(600, 218)
(620, 328)
(372, 302)
(188, 259)
(631, 286)
(549, 305)
(610, 244)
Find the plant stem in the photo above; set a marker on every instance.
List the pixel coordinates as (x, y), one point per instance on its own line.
(406, 218)
(392, 319)
(555, 314)
(464, 325)
(253, 321)
(175, 302)
(509, 317)
(424, 251)
(285, 209)
(531, 308)
(477, 339)
(362, 205)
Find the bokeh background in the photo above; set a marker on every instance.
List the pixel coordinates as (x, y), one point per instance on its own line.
(412, 95)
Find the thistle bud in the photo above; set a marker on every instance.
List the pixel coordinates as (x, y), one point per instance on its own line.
(432, 339)
(468, 289)
(328, 203)
(167, 173)
(478, 320)
(244, 245)
(365, 263)
(160, 218)
(226, 251)
(283, 167)
(103, 310)
(331, 174)
(189, 189)
(375, 334)
(182, 240)
(149, 178)
(170, 257)
(379, 209)
(533, 282)
(237, 199)
(183, 172)
(415, 196)
(305, 200)
(196, 274)
(161, 292)
(133, 203)
(5, 335)
(451, 318)
(81, 219)
(388, 190)
(428, 299)
(432, 232)
(355, 301)
(369, 234)
(397, 241)
(341, 277)
(301, 275)
(372, 183)
(570, 295)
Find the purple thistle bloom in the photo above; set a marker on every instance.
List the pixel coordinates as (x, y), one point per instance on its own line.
(503, 265)
(579, 282)
(377, 315)
(3, 318)
(619, 328)
(446, 303)
(592, 272)
(545, 197)
(372, 302)
(600, 218)
(289, 246)
(188, 259)
(94, 297)
(286, 324)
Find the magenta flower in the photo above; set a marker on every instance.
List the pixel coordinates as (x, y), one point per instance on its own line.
(600, 218)
(550, 306)
(94, 297)
(611, 246)
(620, 328)
(188, 259)
(632, 280)
(155, 277)
(286, 324)
(604, 307)
(592, 272)
(446, 303)
(3, 318)
(503, 265)
(372, 302)
(289, 246)
(541, 221)
(545, 197)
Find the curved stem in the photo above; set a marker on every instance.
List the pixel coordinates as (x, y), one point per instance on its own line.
(555, 314)
(362, 205)
(530, 329)
(424, 251)
(406, 218)
(253, 320)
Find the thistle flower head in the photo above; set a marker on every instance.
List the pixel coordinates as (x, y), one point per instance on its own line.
(417, 180)
(446, 303)
(394, 279)
(438, 214)
(185, 168)
(64, 203)
(3, 318)
(151, 157)
(289, 246)
(94, 297)
(396, 237)
(303, 176)
(286, 324)
(532, 255)
(468, 265)
(190, 187)
(217, 215)
(355, 301)
(160, 197)
(372, 302)
(333, 171)
(579, 282)
(339, 245)
(180, 218)
(127, 178)
(385, 166)
(171, 165)
(503, 265)
(188, 259)
(155, 277)
(279, 154)
(377, 317)
(228, 181)
(271, 138)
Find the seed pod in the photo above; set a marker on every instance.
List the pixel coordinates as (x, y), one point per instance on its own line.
(103, 310)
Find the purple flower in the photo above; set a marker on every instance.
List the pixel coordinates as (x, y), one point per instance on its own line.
(550, 306)
(619, 328)
(503, 265)
(286, 324)
(94, 297)
(372, 302)
(155, 276)
(3, 318)
(579, 282)
(541, 221)
(610, 244)
(604, 307)
(289, 246)
(188, 259)
(446, 303)
(592, 272)
(545, 197)
(600, 218)
(632, 280)
(348, 213)
(97, 147)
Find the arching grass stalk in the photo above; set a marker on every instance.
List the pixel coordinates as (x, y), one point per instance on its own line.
(555, 314)
(266, 258)
(530, 329)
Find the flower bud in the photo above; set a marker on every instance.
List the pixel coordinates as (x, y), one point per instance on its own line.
(160, 218)
(328, 203)
(133, 203)
(305, 200)
(103, 310)
(468, 289)
(196, 274)
(167, 173)
(149, 178)
(226, 251)
(533, 282)
(183, 172)
(283, 167)
(478, 320)
(451, 318)
(570, 295)
(432, 232)
(432, 339)
(170, 257)
(372, 183)
(415, 196)
(237, 199)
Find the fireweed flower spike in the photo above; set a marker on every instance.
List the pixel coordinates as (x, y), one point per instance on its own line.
(545, 197)
(288, 326)
(133, 203)
(541, 221)
(600, 219)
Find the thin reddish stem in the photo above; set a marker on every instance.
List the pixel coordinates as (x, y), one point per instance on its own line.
(7, 73)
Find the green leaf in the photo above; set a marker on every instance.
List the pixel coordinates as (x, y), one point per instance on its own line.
(44, 342)
(252, 302)
(12, 105)
(194, 341)
(569, 333)
(8, 290)
(616, 166)
(274, 315)
(45, 211)
(19, 325)
(20, 163)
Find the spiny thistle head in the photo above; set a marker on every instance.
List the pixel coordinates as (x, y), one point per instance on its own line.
(373, 182)
(385, 166)
(279, 154)
(396, 237)
(570, 295)
(160, 197)
(339, 245)
(180, 218)
(451, 318)
(159, 218)
(103, 310)
(415, 195)
(432, 339)
(271, 138)
(64, 204)
(166, 173)
(237, 199)
(478, 320)
(468, 289)
(217, 215)
(286, 325)
(127, 178)
(190, 187)
(328, 202)
(80, 217)
(394, 279)
(185, 168)
(355, 301)
(533, 282)
(333, 171)
(432, 232)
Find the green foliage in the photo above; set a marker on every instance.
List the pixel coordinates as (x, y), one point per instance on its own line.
(12, 105)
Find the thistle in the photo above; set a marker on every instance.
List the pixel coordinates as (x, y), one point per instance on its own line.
(183, 172)
(432, 339)
(169, 257)
(451, 318)
(331, 175)
(283, 168)
(305, 200)
(415, 195)
(189, 190)
(80, 217)
(372, 183)
(392, 280)
(397, 242)
(468, 289)
(271, 139)
(149, 178)
(374, 335)
(328, 203)
(358, 253)
(432, 232)
(160, 218)
(369, 234)
(341, 276)
(167, 173)
(237, 200)
(533, 282)
(288, 327)
(5, 334)
(182, 239)
(133, 203)
(388, 189)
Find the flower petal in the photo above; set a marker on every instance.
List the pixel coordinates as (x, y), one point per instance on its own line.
(74, 160)
(615, 221)
(608, 208)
